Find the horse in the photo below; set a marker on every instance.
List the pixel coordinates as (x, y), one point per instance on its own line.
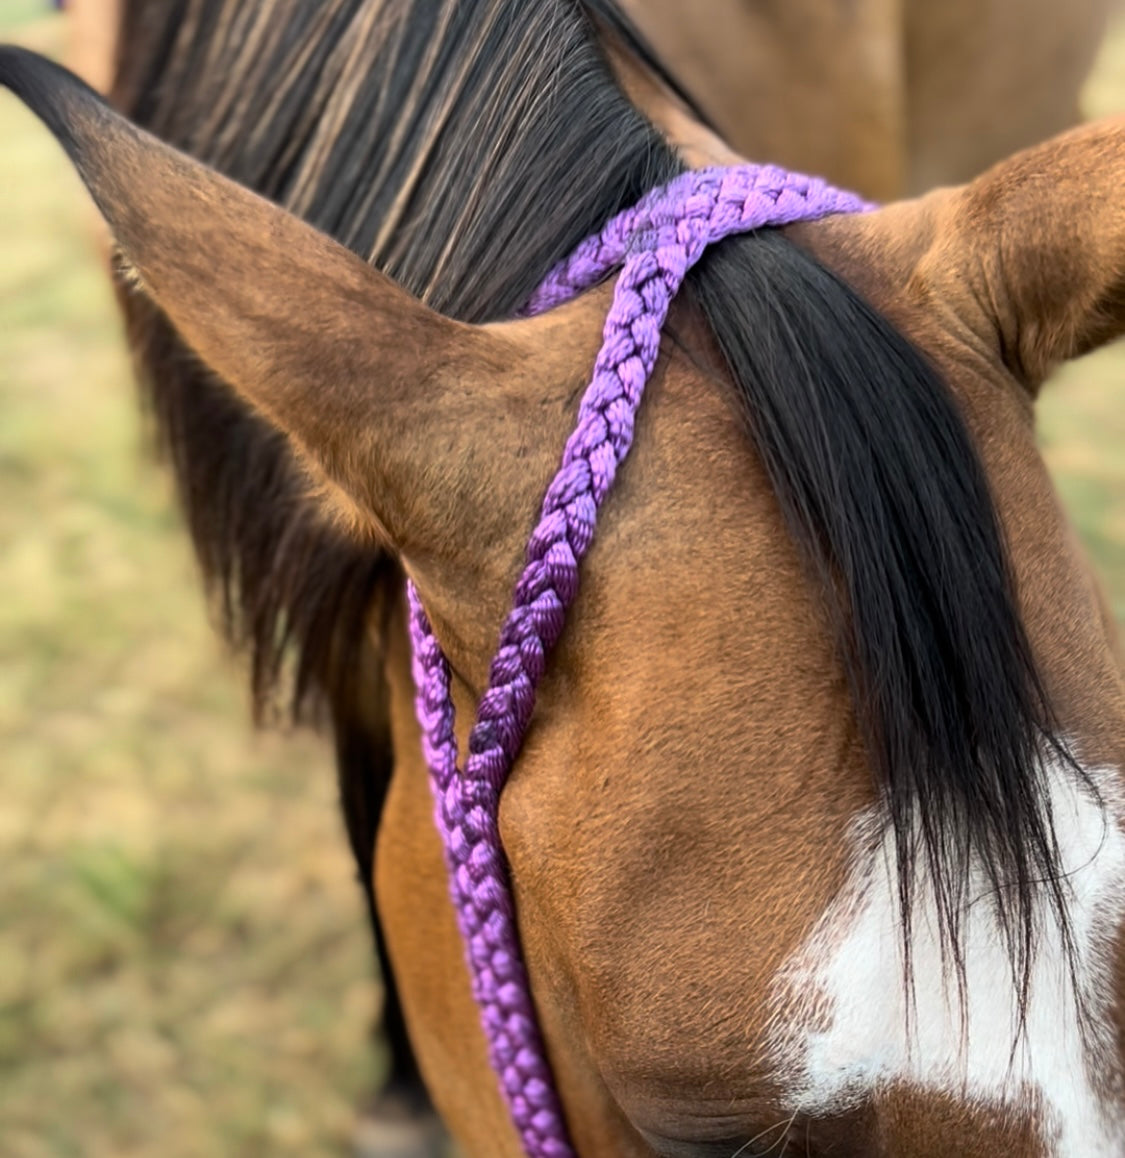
(907, 96)
(848, 122)
(690, 962)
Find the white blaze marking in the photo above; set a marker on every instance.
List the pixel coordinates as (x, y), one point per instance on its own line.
(844, 1033)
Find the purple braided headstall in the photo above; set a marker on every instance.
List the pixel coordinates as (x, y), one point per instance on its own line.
(655, 244)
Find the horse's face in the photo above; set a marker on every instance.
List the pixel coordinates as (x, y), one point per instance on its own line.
(691, 823)
(686, 822)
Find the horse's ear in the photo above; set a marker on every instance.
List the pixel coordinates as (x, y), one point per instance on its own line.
(1027, 261)
(367, 382)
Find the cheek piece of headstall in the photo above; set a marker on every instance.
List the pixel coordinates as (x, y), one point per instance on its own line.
(654, 244)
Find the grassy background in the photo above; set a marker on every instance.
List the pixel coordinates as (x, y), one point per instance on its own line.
(1082, 411)
(184, 966)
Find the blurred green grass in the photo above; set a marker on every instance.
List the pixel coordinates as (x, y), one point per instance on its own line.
(19, 13)
(1082, 410)
(184, 965)
(1081, 413)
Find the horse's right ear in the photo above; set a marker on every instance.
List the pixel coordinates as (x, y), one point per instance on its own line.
(1026, 264)
(387, 399)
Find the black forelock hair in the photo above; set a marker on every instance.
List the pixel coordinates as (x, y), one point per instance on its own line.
(464, 148)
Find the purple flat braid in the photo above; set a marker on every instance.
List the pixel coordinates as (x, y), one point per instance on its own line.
(655, 244)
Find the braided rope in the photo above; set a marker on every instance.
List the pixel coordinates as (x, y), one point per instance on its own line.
(655, 243)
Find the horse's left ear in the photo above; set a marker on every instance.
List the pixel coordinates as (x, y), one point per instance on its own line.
(1025, 264)
(394, 406)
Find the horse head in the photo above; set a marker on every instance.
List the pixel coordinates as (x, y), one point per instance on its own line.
(815, 835)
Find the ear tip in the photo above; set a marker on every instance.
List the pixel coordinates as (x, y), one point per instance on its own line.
(49, 90)
(20, 66)
(36, 79)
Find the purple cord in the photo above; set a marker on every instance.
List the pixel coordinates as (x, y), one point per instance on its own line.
(655, 243)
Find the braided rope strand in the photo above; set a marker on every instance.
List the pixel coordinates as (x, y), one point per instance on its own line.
(655, 244)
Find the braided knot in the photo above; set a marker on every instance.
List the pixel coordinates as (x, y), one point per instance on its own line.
(654, 244)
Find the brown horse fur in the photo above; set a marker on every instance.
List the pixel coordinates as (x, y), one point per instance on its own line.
(885, 96)
(634, 891)
(92, 27)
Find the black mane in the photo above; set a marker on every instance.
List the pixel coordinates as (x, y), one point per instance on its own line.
(466, 147)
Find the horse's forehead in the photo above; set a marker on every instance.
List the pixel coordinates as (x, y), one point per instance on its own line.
(694, 744)
(701, 676)
(699, 749)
